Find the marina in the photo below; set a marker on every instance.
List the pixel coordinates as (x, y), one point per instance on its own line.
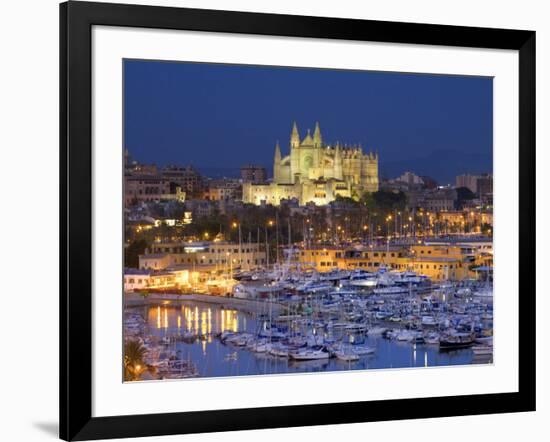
(291, 323)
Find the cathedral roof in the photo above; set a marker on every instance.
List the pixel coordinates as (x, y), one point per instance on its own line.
(307, 141)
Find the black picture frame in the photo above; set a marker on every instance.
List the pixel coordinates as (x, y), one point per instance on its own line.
(76, 21)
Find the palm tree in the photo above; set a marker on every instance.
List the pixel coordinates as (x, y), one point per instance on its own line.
(134, 366)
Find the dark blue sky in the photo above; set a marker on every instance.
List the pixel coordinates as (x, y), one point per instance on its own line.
(218, 117)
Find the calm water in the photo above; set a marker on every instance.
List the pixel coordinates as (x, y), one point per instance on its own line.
(212, 358)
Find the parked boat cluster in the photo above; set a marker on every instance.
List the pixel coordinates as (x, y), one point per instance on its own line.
(306, 316)
(331, 314)
(160, 354)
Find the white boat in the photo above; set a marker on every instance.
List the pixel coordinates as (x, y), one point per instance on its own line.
(261, 347)
(347, 356)
(432, 339)
(334, 275)
(428, 320)
(405, 335)
(314, 286)
(310, 353)
(279, 350)
(486, 292)
(239, 339)
(376, 331)
(361, 350)
(391, 290)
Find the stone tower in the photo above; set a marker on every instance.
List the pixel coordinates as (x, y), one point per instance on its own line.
(277, 164)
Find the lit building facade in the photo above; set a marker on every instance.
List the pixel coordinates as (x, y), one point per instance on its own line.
(316, 172)
(438, 262)
(220, 255)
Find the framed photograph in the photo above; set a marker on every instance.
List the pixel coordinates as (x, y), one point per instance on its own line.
(273, 220)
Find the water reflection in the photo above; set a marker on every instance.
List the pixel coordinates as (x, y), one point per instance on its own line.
(203, 321)
(212, 358)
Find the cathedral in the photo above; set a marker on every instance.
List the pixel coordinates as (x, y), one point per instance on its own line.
(316, 172)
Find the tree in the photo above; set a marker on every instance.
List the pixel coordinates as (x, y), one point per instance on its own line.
(134, 366)
(486, 229)
(387, 200)
(346, 200)
(132, 252)
(463, 194)
(367, 200)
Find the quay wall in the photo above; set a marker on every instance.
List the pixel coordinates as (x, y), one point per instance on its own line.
(244, 305)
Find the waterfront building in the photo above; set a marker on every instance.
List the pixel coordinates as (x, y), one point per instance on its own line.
(253, 174)
(136, 279)
(218, 255)
(469, 245)
(438, 262)
(317, 172)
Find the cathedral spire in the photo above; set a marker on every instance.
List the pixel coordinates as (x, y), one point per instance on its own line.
(277, 151)
(317, 137)
(294, 136)
(277, 163)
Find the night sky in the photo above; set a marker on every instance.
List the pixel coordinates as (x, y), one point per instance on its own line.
(219, 117)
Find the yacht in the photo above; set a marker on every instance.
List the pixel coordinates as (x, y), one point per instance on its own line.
(455, 340)
(346, 355)
(310, 353)
(363, 350)
(391, 290)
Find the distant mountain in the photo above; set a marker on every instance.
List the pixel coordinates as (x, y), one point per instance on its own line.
(442, 165)
(220, 172)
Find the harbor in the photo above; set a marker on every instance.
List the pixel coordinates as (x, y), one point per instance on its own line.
(292, 321)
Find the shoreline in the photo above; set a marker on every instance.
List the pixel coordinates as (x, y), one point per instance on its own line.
(245, 305)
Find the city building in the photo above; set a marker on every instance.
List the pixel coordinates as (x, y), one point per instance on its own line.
(150, 188)
(200, 208)
(253, 174)
(485, 185)
(439, 262)
(316, 172)
(432, 200)
(410, 179)
(481, 185)
(187, 177)
(224, 189)
(214, 255)
(136, 279)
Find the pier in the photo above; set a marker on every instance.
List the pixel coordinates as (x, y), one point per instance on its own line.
(251, 306)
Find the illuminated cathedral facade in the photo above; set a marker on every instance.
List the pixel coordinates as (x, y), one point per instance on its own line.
(316, 172)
